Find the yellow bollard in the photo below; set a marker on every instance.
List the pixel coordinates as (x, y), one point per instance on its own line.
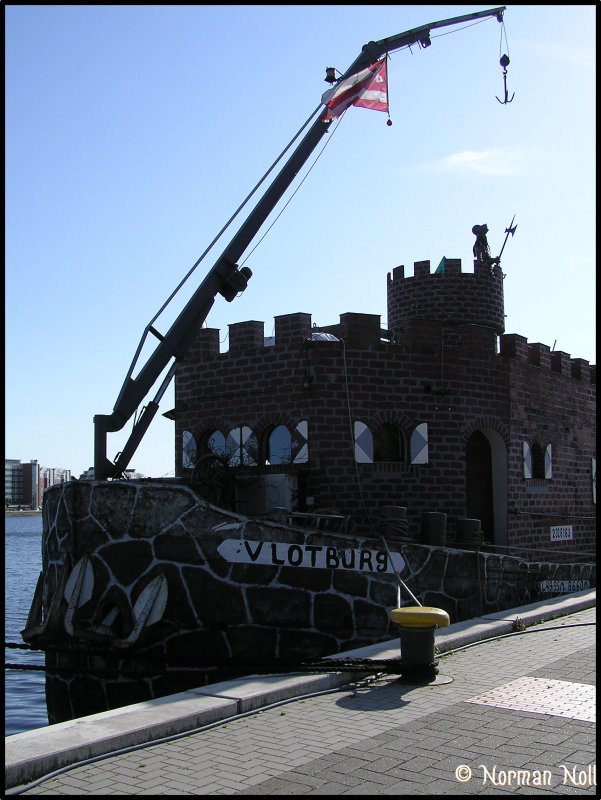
(417, 626)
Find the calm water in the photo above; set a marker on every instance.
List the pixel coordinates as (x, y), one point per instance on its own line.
(25, 700)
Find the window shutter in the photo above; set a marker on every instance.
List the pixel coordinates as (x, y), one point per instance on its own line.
(300, 443)
(527, 460)
(419, 444)
(188, 450)
(250, 447)
(232, 446)
(364, 444)
(548, 463)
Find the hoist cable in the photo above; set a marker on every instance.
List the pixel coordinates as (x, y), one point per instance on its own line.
(294, 192)
(208, 248)
(360, 487)
(503, 32)
(464, 27)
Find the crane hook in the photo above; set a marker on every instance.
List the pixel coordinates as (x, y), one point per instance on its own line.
(504, 62)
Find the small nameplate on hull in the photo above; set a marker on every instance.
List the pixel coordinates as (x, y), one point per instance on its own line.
(313, 556)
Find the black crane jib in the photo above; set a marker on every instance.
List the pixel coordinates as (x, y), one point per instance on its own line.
(225, 277)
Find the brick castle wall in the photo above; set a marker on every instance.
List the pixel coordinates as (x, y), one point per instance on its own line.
(444, 360)
(553, 398)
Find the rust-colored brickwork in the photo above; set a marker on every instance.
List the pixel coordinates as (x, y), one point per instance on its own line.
(443, 360)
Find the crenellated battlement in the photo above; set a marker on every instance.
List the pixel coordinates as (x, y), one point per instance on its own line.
(246, 335)
(442, 404)
(290, 330)
(512, 345)
(447, 268)
(446, 295)
(417, 305)
(364, 331)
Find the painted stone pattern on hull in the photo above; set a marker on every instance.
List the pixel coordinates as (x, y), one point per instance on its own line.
(239, 590)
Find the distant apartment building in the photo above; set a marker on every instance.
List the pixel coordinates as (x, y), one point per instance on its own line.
(13, 482)
(24, 484)
(31, 485)
(51, 475)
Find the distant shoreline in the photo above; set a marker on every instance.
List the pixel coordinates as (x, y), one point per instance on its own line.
(26, 513)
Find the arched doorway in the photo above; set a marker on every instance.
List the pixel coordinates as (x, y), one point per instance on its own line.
(486, 483)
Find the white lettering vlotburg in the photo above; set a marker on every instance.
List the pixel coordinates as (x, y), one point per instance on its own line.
(312, 556)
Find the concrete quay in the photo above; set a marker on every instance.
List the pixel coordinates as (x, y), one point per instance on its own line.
(513, 714)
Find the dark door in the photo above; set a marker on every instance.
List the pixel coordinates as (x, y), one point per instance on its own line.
(479, 494)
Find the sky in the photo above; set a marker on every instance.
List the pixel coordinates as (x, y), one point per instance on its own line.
(133, 133)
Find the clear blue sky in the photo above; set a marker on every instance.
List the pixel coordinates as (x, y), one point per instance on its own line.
(133, 133)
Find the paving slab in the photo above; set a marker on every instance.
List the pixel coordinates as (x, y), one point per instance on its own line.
(43, 750)
(330, 724)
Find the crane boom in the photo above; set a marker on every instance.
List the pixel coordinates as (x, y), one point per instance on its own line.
(225, 277)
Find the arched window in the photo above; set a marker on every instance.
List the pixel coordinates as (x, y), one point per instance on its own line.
(242, 448)
(538, 460)
(279, 446)
(288, 447)
(189, 454)
(389, 443)
(215, 444)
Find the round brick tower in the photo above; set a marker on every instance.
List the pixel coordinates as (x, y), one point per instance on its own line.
(419, 306)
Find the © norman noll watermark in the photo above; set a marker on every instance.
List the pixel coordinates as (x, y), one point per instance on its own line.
(562, 774)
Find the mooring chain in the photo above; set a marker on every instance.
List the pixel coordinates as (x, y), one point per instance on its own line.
(389, 666)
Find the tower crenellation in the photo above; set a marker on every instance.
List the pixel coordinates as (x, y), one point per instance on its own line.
(447, 295)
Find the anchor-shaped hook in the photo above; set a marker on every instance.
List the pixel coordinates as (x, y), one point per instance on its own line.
(504, 62)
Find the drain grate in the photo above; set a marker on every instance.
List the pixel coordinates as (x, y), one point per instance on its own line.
(543, 696)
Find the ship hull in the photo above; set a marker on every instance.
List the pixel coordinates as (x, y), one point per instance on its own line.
(148, 590)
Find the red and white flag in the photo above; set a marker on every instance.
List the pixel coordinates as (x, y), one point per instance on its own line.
(367, 89)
